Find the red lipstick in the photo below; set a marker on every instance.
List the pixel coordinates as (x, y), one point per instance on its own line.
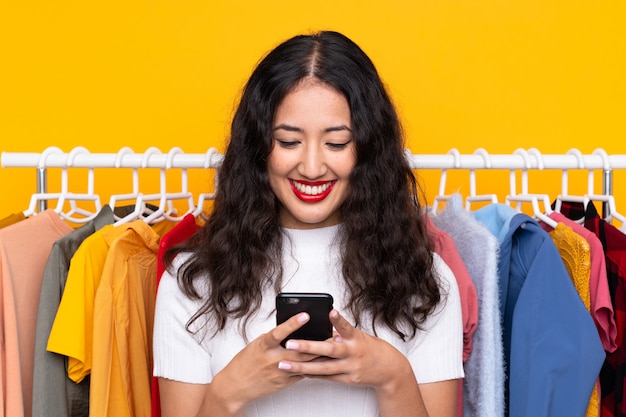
(308, 198)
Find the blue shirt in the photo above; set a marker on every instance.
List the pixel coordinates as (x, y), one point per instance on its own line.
(553, 352)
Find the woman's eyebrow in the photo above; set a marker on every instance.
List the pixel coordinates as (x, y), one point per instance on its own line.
(289, 128)
(338, 129)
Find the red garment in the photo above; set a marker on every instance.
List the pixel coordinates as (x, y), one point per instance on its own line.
(180, 233)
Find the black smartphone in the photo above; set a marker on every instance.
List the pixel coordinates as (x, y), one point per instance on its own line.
(317, 305)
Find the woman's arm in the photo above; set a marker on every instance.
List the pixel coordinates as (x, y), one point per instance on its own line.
(185, 399)
(441, 397)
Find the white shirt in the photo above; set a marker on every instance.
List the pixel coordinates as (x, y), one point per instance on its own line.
(311, 263)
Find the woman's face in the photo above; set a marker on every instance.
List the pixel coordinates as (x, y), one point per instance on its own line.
(312, 156)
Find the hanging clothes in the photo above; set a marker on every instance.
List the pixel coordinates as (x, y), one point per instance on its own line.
(24, 250)
(483, 386)
(613, 374)
(93, 296)
(576, 256)
(54, 394)
(72, 330)
(552, 349)
(446, 248)
(123, 315)
(600, 297)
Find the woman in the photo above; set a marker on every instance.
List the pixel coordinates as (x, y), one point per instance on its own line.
(314, 195)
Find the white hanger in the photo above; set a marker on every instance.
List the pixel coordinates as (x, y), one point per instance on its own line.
(141, 209)
(525, 196)
(38, 197)
(184, 194)
(115, 198)
(72, 198)
(565, 196)
(473, 197)
(166, 208)
(203, 197)
(442, 196)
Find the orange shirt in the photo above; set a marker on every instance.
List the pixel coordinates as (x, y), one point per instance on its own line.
(123, 322)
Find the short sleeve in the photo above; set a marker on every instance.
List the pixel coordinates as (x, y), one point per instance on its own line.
(178, 354)
(438, 352)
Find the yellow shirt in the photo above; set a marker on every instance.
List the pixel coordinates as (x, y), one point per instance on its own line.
(72, 331)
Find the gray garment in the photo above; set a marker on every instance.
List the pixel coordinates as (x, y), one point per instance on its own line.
(54, 393)
(483, 386)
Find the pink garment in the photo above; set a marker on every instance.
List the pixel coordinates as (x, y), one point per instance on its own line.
(601, 305)
(24, 251)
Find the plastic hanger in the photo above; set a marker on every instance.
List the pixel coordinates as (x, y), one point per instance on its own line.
(115, 198)
(441, 195)
(184, 194)
(141, 210)
(565, 196)
(37, 198)
(525, 196)
(473, 197)
(204, 197)
(72, 198)
(75, 214)
(165, 208)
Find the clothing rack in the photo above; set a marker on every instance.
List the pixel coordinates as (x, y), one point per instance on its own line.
(520, 159)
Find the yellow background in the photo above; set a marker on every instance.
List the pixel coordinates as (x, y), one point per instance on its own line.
(490, 74)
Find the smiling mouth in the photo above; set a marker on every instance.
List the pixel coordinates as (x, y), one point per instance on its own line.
(312, 192)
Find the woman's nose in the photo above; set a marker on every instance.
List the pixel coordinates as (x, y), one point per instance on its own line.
(313, 164)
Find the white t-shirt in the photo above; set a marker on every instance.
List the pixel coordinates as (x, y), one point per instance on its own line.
(311, 263)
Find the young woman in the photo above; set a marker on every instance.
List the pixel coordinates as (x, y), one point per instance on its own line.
(314, 195)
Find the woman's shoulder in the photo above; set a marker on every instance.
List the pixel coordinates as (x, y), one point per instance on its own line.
(180, 260)
(170, 278)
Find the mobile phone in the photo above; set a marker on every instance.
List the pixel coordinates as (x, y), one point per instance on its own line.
(317, 305)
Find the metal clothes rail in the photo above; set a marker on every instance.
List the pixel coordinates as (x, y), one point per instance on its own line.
(80, 157)
(520, 159)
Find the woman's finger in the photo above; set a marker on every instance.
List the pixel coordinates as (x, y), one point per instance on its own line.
(341, 325)
(280, 332)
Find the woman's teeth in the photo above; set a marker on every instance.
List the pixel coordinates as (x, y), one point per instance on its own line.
(311, 190)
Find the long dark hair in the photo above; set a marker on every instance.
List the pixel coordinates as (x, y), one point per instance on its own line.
(386, 251)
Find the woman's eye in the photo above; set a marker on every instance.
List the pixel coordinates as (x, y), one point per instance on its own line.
(338, 146)
(287, 143)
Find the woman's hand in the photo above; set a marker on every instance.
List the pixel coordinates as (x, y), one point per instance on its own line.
(255, 372)
(357, 358)
(353, 357)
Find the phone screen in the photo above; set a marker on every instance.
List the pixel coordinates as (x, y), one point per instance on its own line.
(317, 305)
